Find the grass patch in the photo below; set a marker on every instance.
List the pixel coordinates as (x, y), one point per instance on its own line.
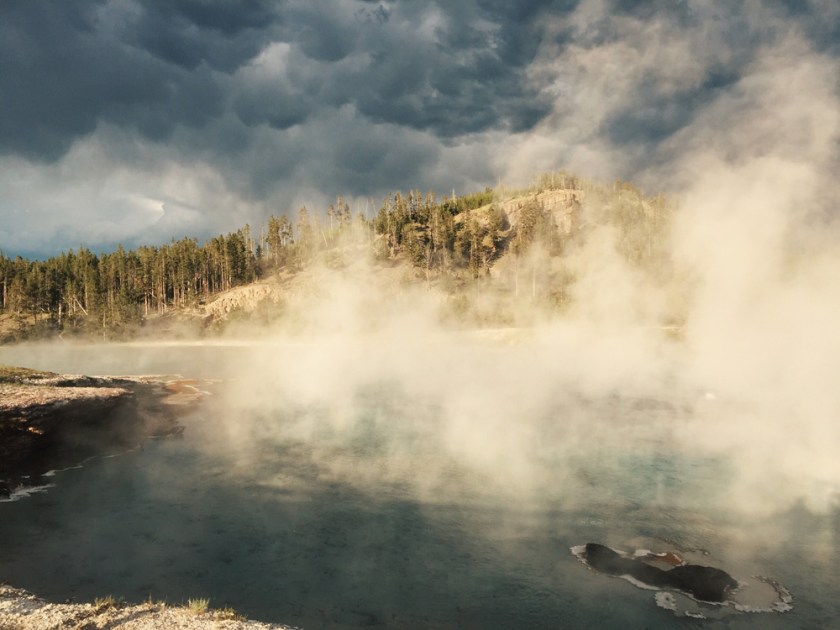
(198, 606)
(161, 603)
(109, 601)
(228, 613)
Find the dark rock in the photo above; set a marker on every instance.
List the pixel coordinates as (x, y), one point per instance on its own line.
(706, 583)
(703, 583)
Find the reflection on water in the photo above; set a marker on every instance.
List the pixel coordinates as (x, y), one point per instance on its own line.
(370, 522)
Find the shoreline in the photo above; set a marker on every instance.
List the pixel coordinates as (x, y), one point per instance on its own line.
(21, 610)
(51, 422)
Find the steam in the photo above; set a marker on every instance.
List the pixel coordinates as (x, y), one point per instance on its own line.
(751, 377)
(756, 241)
(755, 250)
(447, 413)
(759, 232)
(364, 380)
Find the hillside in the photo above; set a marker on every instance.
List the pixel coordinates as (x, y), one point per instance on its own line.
(499, 257)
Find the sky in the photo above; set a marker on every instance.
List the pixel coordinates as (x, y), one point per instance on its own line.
(139, 121)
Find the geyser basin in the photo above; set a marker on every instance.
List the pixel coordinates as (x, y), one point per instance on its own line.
(383, 503)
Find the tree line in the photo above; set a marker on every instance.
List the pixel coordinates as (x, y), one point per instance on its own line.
(124, 286)
(460, 236)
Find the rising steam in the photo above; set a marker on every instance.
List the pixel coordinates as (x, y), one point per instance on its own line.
(370, 384)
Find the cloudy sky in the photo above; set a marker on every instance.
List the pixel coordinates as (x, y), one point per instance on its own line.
(136, 121)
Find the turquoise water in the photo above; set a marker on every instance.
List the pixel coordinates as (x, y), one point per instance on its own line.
(327, 526)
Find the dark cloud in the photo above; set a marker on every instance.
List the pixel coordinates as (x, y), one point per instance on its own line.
(66, 67)
(678, 10)
(322, 32)
(224, 17)
(274, 103)
(39, 116)
(658, 113)
(822, 28)
(451, 69)
(256, 101)
(190, 33)
(521, 25)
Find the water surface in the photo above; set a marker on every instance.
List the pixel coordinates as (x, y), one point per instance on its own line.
(289, 515)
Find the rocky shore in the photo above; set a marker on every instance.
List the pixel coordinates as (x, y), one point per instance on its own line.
(20, 610)
(50, 421)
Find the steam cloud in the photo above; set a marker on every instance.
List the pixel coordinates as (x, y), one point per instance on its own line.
(756, 247)
(757, 250)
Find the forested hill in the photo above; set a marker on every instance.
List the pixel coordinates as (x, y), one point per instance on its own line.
(510, 239)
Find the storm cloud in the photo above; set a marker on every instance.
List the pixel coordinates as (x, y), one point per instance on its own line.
(138, 121)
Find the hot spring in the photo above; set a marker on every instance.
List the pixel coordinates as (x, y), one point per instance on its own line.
(437, 482)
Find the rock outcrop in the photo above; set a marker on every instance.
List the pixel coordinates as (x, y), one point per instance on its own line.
(246, 299)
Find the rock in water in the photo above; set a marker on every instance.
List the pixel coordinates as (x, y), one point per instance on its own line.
(609, 561)
(703, 583)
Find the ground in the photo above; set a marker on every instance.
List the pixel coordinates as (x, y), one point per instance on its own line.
(20, 610)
